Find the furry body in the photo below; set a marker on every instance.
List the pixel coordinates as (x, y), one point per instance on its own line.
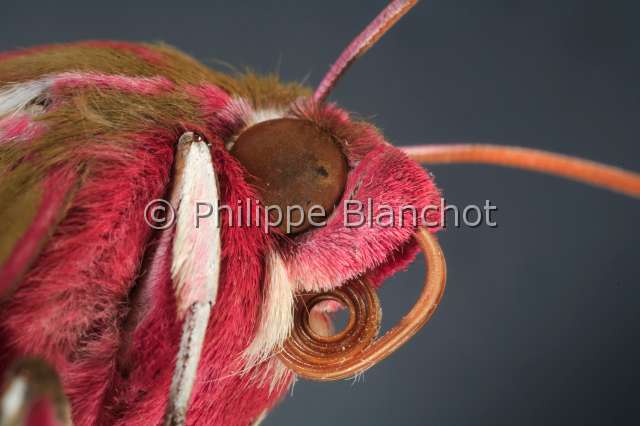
(88, 133)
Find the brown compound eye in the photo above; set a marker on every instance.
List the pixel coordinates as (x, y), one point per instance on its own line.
(293, 163)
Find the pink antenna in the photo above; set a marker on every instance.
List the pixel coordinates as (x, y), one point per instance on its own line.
(365, 40)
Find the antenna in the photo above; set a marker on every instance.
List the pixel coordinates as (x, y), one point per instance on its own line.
(363, 42)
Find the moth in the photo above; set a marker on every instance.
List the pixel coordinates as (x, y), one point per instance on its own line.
(123, 301)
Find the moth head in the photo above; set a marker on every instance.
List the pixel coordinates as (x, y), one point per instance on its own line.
(315, 154)
(310, 153)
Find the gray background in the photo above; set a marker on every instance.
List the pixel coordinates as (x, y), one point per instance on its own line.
(541, 319)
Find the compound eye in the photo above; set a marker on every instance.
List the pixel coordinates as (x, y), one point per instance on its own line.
(293, 163)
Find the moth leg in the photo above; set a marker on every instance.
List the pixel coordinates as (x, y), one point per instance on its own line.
(32, 396)
(195, 266)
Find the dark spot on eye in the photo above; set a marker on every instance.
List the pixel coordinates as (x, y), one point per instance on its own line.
(322, 171)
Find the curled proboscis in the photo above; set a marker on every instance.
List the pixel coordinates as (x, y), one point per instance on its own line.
(355, 349)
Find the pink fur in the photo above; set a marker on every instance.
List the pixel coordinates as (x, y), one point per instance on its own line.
(19, 127)
(231, 119)
(211, 99)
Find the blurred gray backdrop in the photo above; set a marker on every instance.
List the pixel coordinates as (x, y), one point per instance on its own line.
(541, 319)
